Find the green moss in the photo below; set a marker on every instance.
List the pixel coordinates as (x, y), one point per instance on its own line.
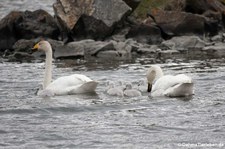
(146, 5)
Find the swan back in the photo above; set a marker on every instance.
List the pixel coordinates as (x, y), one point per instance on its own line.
(173, 86)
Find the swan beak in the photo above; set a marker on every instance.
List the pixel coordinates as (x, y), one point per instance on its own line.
(36, 47)
(149, 87)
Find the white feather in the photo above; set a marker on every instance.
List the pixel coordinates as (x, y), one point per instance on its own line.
(169, 85)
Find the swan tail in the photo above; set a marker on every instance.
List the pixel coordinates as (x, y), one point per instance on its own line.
(180, 90)
(88, 87)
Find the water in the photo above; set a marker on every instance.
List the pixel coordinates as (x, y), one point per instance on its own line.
(6, 6)
(101, 121)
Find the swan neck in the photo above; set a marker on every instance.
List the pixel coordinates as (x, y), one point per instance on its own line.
(158, 74)
(153, 74)
(48, 69)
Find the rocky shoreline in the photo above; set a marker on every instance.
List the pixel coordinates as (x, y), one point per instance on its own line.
(109, 30)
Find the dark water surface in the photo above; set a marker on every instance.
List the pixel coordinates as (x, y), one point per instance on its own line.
(101, 121)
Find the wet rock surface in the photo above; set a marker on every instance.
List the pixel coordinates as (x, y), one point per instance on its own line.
(97, 29)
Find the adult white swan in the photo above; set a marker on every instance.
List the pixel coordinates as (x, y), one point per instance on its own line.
(168, 85)
(73, 84)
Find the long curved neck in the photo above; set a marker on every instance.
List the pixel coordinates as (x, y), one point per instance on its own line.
(159, 73)
(48, 69)
(154, 73)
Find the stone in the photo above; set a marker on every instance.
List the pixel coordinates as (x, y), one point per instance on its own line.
(169, 54)
(212, 10)
(114, 51)
(215, 51)
(26, 25)
(21, 57)
(217, 38)
(90, 49)
(196, 7)
(24, 45)
(132, 3)
(201, 6)
(89, 18)
(7, 30)
(178, 23)
(148, 34)
(181, 43)
(69, 50)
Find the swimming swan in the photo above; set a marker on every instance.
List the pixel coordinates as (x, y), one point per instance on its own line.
(73, 84)
(168, 85)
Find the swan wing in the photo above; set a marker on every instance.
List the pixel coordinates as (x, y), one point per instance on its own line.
(168, 83)
(87, 87)
(69, 84)
(180, 90)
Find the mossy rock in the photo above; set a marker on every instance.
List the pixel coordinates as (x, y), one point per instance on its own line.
(146, 5)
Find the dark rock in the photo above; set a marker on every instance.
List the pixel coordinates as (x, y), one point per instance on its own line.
(178, 23)
(196, 7)
(132, 3)
(201, 6)
(7, 30)
(89, 19)
(36, 24)
(24, 45)
(26, 25)
(89, 27)
(149, 34)
(212, 10)
(21, 57)
(70, 50)
(169, 54)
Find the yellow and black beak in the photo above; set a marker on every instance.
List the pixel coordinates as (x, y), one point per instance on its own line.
(149, 87)
(36, 47)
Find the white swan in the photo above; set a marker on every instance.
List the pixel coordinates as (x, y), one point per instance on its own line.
(73, 84)
(168, 85)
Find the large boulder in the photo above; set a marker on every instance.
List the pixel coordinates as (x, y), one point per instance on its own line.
(26, 25)
(201, 6)
(7, 30)
(196, 6)
(212, 10)
(179, 23)
(89, 18)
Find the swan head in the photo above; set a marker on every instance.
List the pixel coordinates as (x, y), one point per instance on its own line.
(128, 86)
(42, 46)
(153, 73)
